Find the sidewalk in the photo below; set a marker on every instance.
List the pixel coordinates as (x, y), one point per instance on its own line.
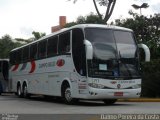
(140, 100)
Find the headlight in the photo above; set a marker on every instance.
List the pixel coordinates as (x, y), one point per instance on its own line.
(94, 85)
(136, 86)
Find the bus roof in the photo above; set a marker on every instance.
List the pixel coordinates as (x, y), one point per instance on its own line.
(100, 26)
(78, 26)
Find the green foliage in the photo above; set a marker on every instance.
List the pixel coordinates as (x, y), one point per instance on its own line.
(38, 35)
(89, 19)
(146, 31)
(94, 19)
(70, 24)
(151, 79)
(23, 41)
(6, 45)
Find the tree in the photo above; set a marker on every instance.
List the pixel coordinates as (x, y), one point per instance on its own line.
(24, 41)
(91, 18)
(144, 5)
(109, 4)
(6, 45)
(38, 35)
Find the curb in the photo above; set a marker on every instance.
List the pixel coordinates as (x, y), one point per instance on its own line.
(140, 100)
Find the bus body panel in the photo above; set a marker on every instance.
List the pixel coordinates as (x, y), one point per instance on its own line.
(46, 77)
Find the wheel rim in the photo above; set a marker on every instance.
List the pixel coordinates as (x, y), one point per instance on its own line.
(68, 95)
(25, 91)
(19, 91)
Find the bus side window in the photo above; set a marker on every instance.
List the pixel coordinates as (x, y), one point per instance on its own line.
(52, 46)
(25, 55)
(18, 56)
(12, 58)
(64, 43)
(33, 51)
(42, 49)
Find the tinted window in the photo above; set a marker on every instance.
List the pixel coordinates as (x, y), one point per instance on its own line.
(78, 51)
(33, 51)
(25, 56)
(64, 43)
(5, 69)
(18, 56)
(52, 46)
(42, 49)
(12, 58)
(99, 35)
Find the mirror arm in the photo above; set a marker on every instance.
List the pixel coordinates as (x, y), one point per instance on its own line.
(146, 50)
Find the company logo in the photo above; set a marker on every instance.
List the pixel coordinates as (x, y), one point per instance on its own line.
(60, 62)
(113, 82)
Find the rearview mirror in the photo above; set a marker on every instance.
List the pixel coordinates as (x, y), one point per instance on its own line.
(89, 49)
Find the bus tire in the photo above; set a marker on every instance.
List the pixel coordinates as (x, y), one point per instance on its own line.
(66, 94)
(25, 91)
(19, 91)
(109, 101)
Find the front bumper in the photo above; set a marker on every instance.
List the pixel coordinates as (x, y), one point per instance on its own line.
(94, 93)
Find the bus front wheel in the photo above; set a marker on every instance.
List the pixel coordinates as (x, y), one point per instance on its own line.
(67, 97)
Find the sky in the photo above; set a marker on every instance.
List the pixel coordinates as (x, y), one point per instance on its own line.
(19, 18)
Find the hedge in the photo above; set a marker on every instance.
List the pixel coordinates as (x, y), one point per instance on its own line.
(151, 79)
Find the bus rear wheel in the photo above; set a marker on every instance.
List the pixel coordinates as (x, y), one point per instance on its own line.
(109, 101)
(67, 97)
(25, 91)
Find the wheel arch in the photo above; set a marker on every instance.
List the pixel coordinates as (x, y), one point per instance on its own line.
(24, 83)
(65, 82)
(19, 83)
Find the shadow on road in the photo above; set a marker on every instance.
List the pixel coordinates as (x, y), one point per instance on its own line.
(87, 103)
(58, 100)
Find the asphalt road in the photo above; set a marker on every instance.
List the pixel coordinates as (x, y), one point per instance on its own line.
(38, 106)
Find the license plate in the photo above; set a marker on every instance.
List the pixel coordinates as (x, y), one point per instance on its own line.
(118, 94)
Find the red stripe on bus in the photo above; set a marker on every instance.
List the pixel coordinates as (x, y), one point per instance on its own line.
(33, 67)
(15, 67)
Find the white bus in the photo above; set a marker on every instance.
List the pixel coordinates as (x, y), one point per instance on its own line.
(4, 75)
(87, 61)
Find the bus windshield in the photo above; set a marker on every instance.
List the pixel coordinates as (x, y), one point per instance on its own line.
(114, 54)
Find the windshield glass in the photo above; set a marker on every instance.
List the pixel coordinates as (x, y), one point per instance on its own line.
(114, 54)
